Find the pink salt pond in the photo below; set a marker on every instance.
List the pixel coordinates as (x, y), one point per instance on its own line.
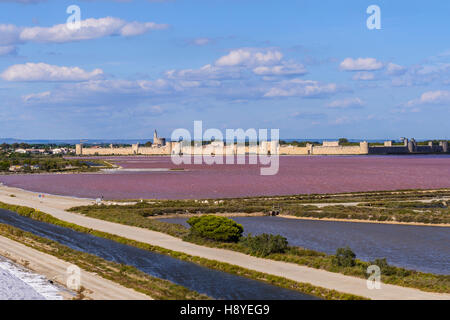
(297, 175)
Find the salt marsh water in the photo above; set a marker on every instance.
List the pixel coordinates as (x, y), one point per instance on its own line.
(216, 284)
(297, 175)
(413, 247)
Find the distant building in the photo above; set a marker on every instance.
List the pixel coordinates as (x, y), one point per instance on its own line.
(158, 142)
(59, 151)
(160, 147)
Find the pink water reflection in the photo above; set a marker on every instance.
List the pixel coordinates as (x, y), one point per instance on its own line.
(296, 175)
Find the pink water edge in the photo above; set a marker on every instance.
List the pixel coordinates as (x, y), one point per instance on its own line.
(297, 175)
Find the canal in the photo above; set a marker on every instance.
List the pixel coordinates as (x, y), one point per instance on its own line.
(216, 284)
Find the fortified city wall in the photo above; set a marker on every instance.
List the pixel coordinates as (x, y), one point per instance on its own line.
(270, 147)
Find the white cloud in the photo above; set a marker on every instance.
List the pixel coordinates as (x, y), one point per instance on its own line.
(207, 72)
(363, 76)
(426, 70)
(301, 88)
(122, 86)
(105, 92)
(361, 64)
(395, 69)
(36, 96)
(90, 29)
(281, 70)
(137, 28)
(46, 72)
(238, 63)
(431, 97)
(420, 75)
(346, 103)
(250, 56)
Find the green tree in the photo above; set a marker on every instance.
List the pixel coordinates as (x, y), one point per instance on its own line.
(215, 228)
(4, 165)
(265, 244)
(344, 257)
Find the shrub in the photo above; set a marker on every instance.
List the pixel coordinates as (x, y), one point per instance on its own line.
(215, 228)
(265, 244)
(344, 257)
(388, 270)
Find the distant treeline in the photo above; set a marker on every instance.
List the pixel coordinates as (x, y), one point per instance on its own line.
(23, 145)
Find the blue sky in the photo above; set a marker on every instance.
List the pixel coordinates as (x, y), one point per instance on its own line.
(310, 68)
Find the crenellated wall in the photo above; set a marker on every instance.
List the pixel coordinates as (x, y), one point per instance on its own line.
(269, 147)
(134, 150)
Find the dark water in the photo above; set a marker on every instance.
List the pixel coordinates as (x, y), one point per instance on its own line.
(419, 248)
(216, 284)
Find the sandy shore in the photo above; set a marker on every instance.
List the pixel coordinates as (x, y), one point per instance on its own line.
(54, 269)
(60, 202)
(54, 205)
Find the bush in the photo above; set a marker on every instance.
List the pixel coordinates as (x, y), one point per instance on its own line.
(265, 244)
(388, 270)
(344, 257)
(215, 228)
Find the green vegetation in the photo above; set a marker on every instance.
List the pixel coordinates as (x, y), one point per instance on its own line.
(215, 228)
(37, 163)
(395, 212)
(137, 215)
(300, 144)
(395, 206)
(137, 218)
(344, 257)
(265, 244)
(223, 230)
(125, 275)
(318, 260)
(274, 280)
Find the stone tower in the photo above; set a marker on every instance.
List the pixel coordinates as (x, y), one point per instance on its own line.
(445, 146)
(79, 149)
(412, 146)
(364, 147)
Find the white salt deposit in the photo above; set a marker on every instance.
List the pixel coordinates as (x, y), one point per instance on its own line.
(17, 283)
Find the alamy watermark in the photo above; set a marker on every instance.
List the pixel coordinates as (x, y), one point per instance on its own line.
(374, 20)
(74, 20)
(236, 146)
(374, 279)
(73, 277)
